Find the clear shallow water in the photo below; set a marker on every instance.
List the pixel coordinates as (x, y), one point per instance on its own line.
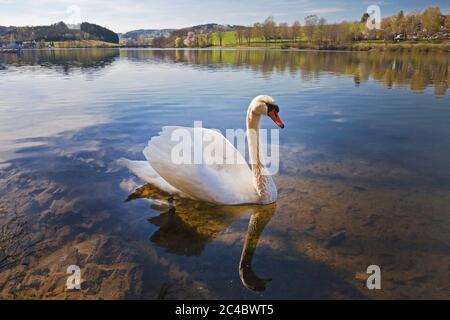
(365, 170)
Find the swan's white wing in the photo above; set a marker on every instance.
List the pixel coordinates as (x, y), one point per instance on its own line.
(214, 182)
(144, 171)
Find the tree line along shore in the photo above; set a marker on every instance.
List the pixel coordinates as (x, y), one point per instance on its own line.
(428, 30)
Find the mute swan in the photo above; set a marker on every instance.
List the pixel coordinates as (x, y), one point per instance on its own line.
(225, 183)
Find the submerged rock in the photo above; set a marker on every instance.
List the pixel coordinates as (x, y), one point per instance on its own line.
(335, 239)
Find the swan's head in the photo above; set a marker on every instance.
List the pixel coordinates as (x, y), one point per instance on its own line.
(266, 105)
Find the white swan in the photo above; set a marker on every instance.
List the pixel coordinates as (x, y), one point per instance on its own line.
(223, 183)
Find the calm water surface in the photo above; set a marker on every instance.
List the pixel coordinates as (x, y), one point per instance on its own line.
(364, 177)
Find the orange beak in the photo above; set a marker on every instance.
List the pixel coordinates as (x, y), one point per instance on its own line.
(274, 116)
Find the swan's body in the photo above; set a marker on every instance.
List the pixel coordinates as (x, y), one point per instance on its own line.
(232, 182)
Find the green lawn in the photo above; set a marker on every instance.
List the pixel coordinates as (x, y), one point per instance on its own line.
(229, 40)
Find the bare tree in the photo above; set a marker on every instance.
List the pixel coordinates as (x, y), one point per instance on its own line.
(311, 22)
(321, 31)
(388, 29)
(248, 34)
(283, 29)
(238, 34)
(412, 24)
(268, 29)
(220, 34)
(344, 34)
(295, 30)
(257, 30)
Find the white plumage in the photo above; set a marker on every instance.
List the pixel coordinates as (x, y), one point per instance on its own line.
(229, 182)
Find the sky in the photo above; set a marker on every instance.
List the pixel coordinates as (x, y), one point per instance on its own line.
(126, 15)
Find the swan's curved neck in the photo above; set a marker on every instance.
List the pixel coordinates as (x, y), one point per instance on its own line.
(259, 180)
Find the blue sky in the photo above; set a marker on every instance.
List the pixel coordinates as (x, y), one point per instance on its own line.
(125, 15)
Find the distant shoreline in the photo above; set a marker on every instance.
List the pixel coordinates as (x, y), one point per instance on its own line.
(360, 46)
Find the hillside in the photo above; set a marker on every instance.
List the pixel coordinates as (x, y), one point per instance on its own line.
(4, 30)
(209, 27)
(99, 32)
(58, 32)
(145, 37)
(146, 33)
(153, 33)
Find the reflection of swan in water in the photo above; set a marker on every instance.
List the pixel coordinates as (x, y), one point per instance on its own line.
(258, 221)
(228, 180)
(187, 226)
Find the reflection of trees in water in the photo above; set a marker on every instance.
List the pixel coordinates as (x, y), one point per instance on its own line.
(418, 70)
(186, 227)
(414, 69)
(66, 58)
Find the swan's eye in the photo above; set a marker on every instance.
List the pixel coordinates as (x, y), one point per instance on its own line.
(271, 107)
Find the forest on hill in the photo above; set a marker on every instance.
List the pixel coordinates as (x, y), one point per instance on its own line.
(58, 32)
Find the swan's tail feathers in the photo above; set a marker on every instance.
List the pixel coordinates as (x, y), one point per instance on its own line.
(144, 171)
(140, 169)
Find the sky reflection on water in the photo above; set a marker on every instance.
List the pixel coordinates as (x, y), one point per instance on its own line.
(365, 151)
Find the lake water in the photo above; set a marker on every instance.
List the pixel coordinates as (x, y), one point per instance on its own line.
(364, 177)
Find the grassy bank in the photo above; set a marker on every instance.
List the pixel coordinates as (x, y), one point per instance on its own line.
(403, 46)
(356, 46)
(229, 42)
(84, 44)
